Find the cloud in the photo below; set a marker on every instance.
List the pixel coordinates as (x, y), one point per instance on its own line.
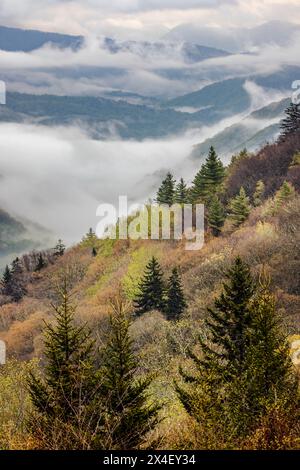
(57, 177)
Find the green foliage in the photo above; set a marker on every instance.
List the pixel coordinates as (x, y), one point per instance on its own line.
(291, 123)
(90, 239)
(166, 192)
(59, 249)
(15, 403)
(63, 398)
(130, 414)
(209, 178)
(239, 208)
(151, 289)
(175, 301)
(244, 367)
(181, 194)
(216, 216)
(296, 160)
(41, 263)
(284, 194)
(259, 193)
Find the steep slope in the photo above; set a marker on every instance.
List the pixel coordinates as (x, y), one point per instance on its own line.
(17, 40)
(252, 132)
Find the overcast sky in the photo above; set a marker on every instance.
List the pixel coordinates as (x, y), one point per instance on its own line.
(146, 18)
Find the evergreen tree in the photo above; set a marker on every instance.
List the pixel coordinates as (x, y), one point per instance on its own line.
(216, 216)
(18, 288)
(285, 193)
(223, 352)
(166, 192)
(130, 414)
(240, 208)
(208, 179)
(291, 123)
(151, 289)
(94, 252)
(59, 249)
(41, 263)
(175, 303)
(90, 239)
(267, 378)
(181, 194)
(258, 194)
(6, 282)
(230, 320)
(63, 398)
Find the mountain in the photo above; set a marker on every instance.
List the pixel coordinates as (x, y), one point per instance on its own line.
(18, 235)
(280, 33)
(252, 132)
(226, 97)
(17, 40)
(102, 117)
(189, 52)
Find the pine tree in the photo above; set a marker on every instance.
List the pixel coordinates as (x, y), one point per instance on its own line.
(175, 303)
(63, 398)
(130, 414)
(216, 216)
(240, 208)
(208, 179)
(18, 288)
(267, 378)
(166, 192)
(41, 263)
(151, 295)
(258, 194)
(223, 358)
(90, 239)
(181, 194)
(285, 193)
(291, 123)
(6, 282)
(59, 249)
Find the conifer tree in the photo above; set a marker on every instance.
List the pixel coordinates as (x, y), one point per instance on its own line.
(18, 289)
(224, 351)
(175, 303)
(291, 123)
(240, 208)
(267, 378)
(151, 289)
(285, 192)
(41, 263)
(59, 249)
(258, 194)
(181, 194)
(63, 398)
(6, 282)
(166, 192)
(216, 216)
(208, 179)
(130, 413)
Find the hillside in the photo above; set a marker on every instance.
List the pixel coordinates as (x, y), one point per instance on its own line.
(252, 132)
(268, 239)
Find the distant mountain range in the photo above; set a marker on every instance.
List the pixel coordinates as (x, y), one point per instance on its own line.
(279, 33)
(17, 40)
(17, 236)
(252, 132)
